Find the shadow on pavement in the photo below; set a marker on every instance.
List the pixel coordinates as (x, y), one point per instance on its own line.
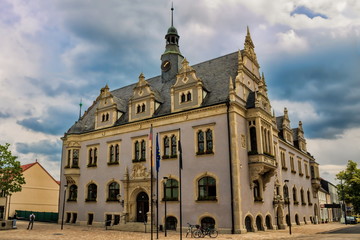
(348, 230)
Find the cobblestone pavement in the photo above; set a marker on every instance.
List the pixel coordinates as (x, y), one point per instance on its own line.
(47, 231)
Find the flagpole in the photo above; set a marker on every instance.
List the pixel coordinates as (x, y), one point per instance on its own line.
(157, 187)
(151, 183)
(180, 168)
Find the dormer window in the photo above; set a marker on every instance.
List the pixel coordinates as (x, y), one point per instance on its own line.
(185, 97)
(140, 108)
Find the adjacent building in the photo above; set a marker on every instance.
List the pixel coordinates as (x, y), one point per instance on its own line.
(40, 193)
(236, 154)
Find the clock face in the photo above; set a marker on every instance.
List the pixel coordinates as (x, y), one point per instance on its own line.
(165, 66)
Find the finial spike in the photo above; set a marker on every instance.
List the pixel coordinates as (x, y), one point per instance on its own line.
(80, 104)
(172, 14)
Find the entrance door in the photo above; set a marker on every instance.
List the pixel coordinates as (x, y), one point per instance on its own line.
(142, 207)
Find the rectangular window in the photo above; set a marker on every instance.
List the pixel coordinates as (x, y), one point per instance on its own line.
(139, 149)
(306, 170)
(74, 217)
(116, 219)
(300, 167)
(68, 217)
(283, 161)
(75, 158)
(292, 164)
(90, 218)
(2, 210)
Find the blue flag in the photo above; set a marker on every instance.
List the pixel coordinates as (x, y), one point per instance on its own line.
(157, 153)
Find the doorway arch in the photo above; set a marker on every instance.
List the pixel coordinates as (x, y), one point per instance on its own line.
(142, 207)
(268, 222)
(259, 223)
(248, 224)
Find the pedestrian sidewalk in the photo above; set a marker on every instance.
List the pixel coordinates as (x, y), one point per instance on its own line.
(49, 231)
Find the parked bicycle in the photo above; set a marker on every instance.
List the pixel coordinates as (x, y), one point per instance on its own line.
(191, 229)
(202, 232)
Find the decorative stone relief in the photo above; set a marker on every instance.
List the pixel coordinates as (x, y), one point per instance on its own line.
(139, 172)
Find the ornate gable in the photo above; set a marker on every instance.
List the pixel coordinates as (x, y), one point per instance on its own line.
(188, 90)
(107, 111)
(143, 103)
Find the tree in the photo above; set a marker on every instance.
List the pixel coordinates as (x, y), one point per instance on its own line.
(350, 188)
(11, 177)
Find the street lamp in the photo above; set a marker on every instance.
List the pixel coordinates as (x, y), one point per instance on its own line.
(63, 210)
(165, 180)
(288, 202)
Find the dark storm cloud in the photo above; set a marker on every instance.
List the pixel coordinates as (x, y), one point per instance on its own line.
(329, 79)
(43, 147)
(54, 121)
(308, 12)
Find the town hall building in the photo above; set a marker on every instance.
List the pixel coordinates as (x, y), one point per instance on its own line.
(241, 164)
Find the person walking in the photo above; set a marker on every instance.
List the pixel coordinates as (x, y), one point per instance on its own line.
(14, 220)
(31, 221)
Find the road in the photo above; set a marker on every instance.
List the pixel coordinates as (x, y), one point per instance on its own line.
(349, 232)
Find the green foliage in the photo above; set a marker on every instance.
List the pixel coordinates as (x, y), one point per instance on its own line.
(350, 188)
(11, 177)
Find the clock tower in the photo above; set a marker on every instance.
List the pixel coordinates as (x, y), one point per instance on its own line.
(171, 59)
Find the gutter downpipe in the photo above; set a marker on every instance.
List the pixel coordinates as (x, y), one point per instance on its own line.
(230, 167)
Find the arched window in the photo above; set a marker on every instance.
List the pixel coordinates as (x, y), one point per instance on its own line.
(200, 138)
(138, 109)
(171, 223)
(166, 146)
(143, 150)
(259, 223)
(183, 97)
(208, 222)
(114, 190)
(173, 146)
(72, 193)
(188, 96)
(309, 197)
(295, 195)
(143, 107)
(257, 191)
(171, 190)
(92, 192)
(207, 188)
(117, 151)
(111, 154)
(137, 151)
(302, 197)
(253, 142)
(107, 117)
(209, 141)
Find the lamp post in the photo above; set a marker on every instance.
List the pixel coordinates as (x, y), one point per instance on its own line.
(288, 202)
(165, 180)
(63, 210)
(343, 198)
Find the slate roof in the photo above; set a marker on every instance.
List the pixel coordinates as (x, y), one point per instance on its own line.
(214, 73)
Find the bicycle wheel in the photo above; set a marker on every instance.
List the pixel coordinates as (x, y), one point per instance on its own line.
(213, 233)
(198, 233)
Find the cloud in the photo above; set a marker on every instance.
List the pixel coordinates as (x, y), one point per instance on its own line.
(43, 147)
(307, 12)
(54, 121)
(4, 115)
(291, 42)
(326, 79)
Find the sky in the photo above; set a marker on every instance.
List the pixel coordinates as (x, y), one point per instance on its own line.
(54, 54)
